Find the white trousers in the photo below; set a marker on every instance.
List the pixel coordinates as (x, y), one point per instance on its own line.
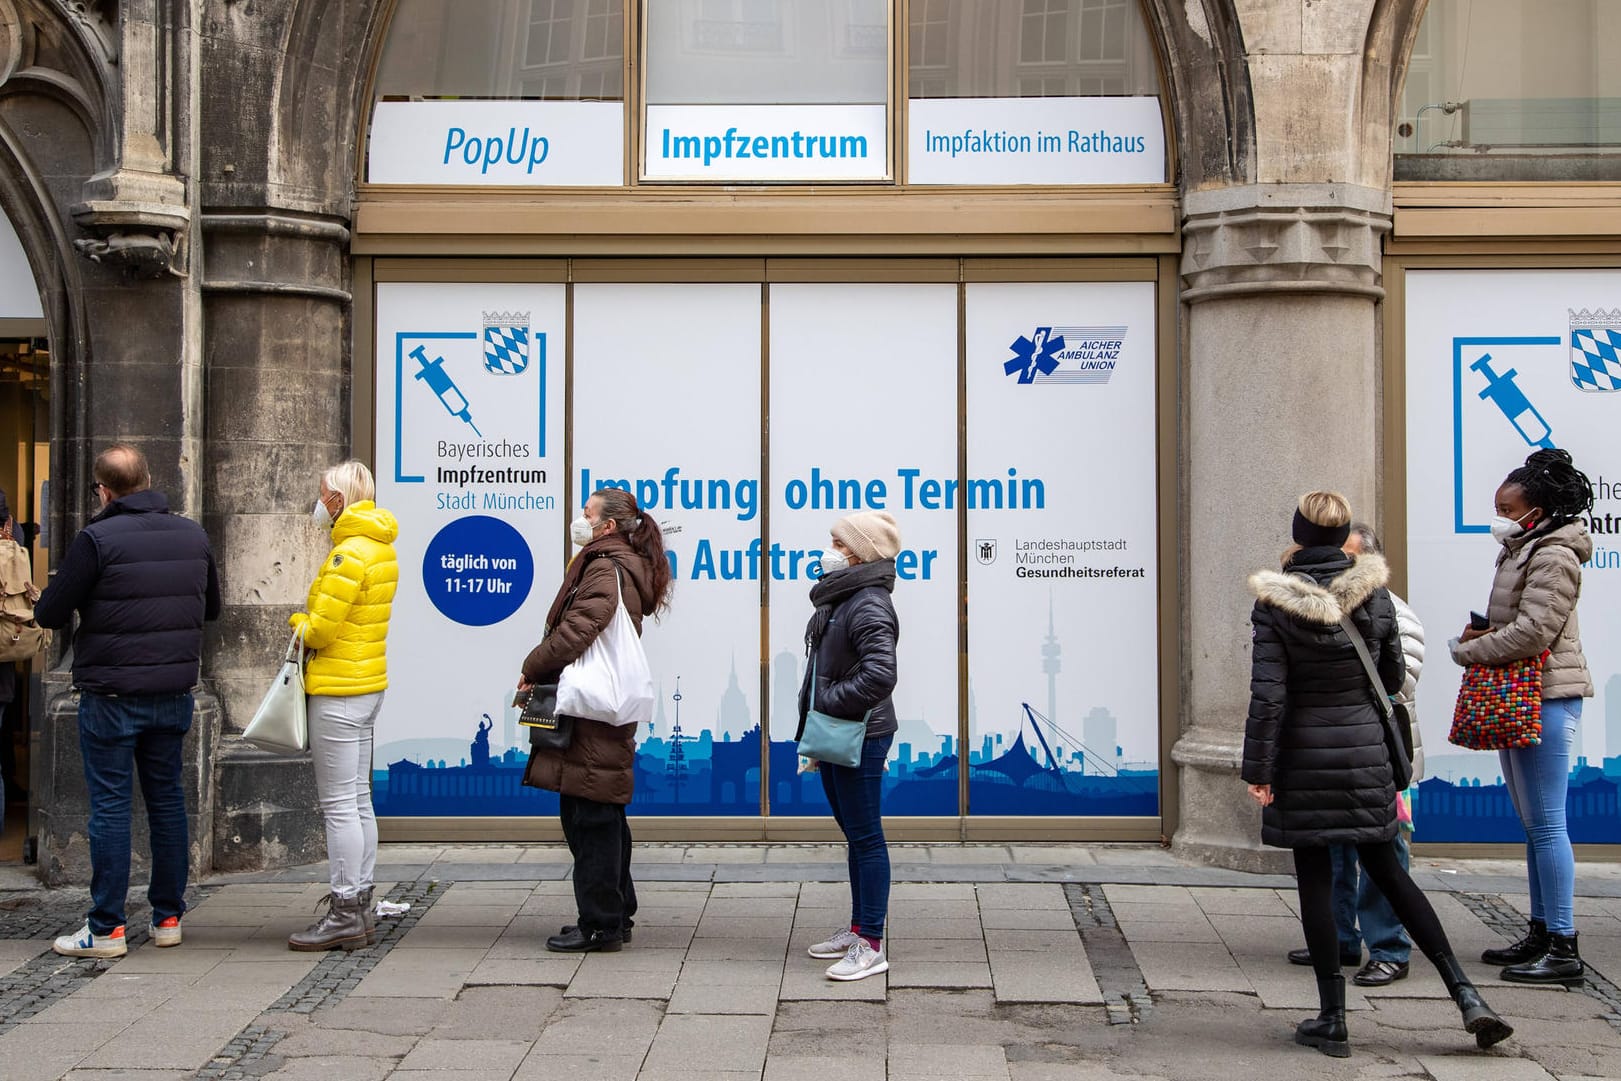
(340, 745)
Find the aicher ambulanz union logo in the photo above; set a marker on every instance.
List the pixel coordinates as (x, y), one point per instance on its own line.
(1595, 349)
(506, 342)
(1066, 355)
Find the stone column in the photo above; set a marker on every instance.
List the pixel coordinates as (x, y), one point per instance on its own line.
(277, 302)
(1282, 342)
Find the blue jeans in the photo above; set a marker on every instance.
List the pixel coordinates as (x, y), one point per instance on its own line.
(855, 793)
(1538, 779)
(120, 735)
(1361, 913)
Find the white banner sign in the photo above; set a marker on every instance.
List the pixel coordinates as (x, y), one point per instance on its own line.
(1499, 364)
(469, 458)
(1063, 526)
(1035, 141)
(766, 142)
(512, 143)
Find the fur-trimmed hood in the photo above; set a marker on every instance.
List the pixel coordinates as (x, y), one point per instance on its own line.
(1304, 599)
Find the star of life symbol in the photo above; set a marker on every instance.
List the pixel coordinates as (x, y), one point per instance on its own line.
(506, 342)
(1595, 349)
(1031, 356)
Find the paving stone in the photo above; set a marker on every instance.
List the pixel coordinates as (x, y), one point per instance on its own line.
(445, 936)
(1129, 914)
(466, 853)
(903, 973)
(314, 1040)
(439, 1054)
(129, 1075)
(451, 1075)
(825, 1068)
(709, 1043)
(554, 970)
(932, 908)
(1119, 894)
(632, 973)
(396, 1017)
(1188, 966)
(966, 855)
(1044, 977)
(483, 894)
(721, 999)
(1021, 897)
(1024, 941)
(512, 1013)
(1059, 854)
(805, 978)
(626, 1028)
(944, 891)
(937, 928)
(539, 1067)
(775, 928)
(939, 951)
(1482, 1068)
(736, 949)
(912, 1061)
(347, 1067)
(1239, 902)
(419, 974)
(1183, 931)
(186, 961)
(46, 1052)
(15, 953)
(1038, 919)
(181, 1042)
(469, 916)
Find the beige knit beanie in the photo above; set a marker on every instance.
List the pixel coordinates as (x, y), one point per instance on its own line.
(870, 534)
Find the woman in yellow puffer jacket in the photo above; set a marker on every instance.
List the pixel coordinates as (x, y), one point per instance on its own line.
(346, 630)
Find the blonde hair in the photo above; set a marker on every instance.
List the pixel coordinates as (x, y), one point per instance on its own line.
(352, 480)
(1328, 509)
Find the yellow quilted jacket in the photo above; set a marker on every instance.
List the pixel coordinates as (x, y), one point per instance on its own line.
(347, 621)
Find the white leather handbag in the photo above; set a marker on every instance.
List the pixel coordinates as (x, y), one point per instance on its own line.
(281, 725)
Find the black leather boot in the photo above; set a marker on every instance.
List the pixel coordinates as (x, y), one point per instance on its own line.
(578, 940)
(1529, 948)
(1327, 1032)
(1560, 963)
(368, 913)
(1478, 1019)
(341, 927)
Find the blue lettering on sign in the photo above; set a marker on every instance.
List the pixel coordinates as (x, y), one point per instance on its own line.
(736, 146)
(524, 149)
(478, 570)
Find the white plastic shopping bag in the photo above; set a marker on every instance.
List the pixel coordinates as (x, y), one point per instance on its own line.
(611, 681)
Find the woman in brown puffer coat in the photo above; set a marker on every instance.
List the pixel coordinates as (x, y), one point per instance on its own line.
(621, 555)
(1532, 609)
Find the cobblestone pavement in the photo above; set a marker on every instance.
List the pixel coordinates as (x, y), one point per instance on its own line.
(1025, 963)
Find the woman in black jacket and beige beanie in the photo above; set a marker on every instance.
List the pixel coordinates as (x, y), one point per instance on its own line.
(1315, 755)
(851, 642)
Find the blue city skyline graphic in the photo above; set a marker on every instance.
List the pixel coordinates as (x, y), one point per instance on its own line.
(1036, 768)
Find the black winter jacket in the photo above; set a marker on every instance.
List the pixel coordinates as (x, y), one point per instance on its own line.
(1315, 731)
(855, 663)
(143, 581)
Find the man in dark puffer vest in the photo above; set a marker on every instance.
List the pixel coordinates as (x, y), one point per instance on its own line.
(143, 581)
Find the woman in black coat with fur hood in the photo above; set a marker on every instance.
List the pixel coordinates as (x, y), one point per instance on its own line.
(1315, 755)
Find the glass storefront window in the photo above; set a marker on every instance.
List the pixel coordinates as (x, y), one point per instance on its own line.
(551, 50)
(1029, 48)
(1513, 90)
(767, 52)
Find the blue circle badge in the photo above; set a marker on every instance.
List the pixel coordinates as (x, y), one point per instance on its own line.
(478, 570)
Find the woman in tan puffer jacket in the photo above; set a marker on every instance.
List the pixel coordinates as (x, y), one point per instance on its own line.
(1532, 609)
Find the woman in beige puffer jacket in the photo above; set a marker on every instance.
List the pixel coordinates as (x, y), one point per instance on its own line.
(1532, 609)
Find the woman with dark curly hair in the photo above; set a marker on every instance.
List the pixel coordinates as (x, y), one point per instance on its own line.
(1532, 610)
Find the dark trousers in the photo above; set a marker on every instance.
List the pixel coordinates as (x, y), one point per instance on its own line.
(599, 840)
(856, 793)
(120, 735)
(1314, 874)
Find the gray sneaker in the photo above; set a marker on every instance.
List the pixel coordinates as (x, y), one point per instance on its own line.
(860, 961)
(837, 946)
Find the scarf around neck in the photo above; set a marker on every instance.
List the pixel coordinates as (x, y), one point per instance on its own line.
(829, 592)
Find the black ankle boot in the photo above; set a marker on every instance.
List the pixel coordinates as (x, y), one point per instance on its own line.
(1326, 1031)
(1529, 948)
(1561, 963)
(1478, 1019)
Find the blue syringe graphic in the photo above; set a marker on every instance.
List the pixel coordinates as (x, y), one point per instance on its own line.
(433, 373)
(1502, 391)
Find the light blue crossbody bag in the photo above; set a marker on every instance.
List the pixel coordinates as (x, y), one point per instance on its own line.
(832, 739)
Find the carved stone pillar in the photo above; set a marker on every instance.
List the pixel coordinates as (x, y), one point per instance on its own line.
(1282, 284)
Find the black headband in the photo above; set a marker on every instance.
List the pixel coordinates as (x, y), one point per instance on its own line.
(1309, 534)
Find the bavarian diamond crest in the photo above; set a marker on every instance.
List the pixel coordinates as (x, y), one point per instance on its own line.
(1595, 349)
(506, 342)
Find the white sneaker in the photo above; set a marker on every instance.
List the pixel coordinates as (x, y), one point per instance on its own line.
(837, 946)
(84, 944)
(860, 961)
(166, 933)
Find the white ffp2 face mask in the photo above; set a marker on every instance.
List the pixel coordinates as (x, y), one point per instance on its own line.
(581, 531)
(833, 563)
(322, 516)
(1505, 529)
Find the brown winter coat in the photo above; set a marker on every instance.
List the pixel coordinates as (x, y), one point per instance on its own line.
(1533, 608)
(600, 761)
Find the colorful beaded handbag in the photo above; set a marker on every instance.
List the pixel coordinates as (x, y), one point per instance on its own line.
(1499, 706)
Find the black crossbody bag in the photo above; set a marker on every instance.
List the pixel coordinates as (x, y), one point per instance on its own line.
(1398, 721)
